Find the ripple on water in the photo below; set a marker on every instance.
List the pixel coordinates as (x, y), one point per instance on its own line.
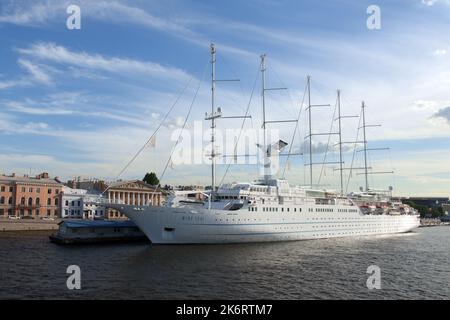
(413, 265)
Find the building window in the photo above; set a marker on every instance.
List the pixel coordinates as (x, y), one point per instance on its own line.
(22, 212)
(73, 203)
(9, 212)
(30, 201)
(79, 203)
(49, 191)
(11, 189)
(29, 212)
(37, 212)
(57, 191)
(49, 212)
(22, 201)
(2, 200)
(56, 201)
(38, 201)
(66, 212)
(49, 201)
(30, 190)
(67, 202)
(10, 200)
(38, 190)
(2, 212)
(3, 189)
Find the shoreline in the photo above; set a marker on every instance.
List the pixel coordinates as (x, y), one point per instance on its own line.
(30, 225)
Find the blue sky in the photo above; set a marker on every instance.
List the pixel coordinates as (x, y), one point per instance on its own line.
(82, 102)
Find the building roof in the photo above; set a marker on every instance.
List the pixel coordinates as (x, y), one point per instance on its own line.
(26, 179)
(97, 224)
(131, 184)
(79, 192)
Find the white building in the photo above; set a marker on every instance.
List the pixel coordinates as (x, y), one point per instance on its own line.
(78, 204)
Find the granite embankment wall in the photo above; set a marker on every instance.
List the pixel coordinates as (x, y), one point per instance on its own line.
(27, 225)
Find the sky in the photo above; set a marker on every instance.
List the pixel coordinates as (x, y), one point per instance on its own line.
(82, 102)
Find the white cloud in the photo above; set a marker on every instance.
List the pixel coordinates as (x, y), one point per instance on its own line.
(36, 71)
(45, 12)
(429, 2)
(59, 54)
(439, 52)
(8, 84)
(22, 13)
(70, 104)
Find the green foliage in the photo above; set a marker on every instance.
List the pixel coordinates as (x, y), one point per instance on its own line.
(424, 210)
(151, 179)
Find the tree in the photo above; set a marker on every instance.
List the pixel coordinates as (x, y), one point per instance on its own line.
(423, 210)
(151, 179)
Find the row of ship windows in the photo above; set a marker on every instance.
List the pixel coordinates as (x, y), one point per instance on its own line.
(332, 210)
(296, 228)
(271, 209)
(348, 225)
(353, 232)
(262, 220)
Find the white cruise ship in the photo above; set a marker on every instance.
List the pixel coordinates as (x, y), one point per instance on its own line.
(266, 210)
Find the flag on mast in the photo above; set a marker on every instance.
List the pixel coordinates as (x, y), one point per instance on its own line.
(152, 142)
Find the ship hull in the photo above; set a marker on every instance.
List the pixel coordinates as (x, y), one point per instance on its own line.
(165, 225)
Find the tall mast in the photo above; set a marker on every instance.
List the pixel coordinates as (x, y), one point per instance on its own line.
(263, 97)
(214, 114)
(310, 135)
(340, 142)
(265, 148)
(365, 145)
(310, 132)
(263, 101)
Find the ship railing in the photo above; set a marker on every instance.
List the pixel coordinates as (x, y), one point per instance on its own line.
(110, 201)
(106, 201)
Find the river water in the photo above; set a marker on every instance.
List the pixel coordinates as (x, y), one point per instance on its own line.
(415, 265)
